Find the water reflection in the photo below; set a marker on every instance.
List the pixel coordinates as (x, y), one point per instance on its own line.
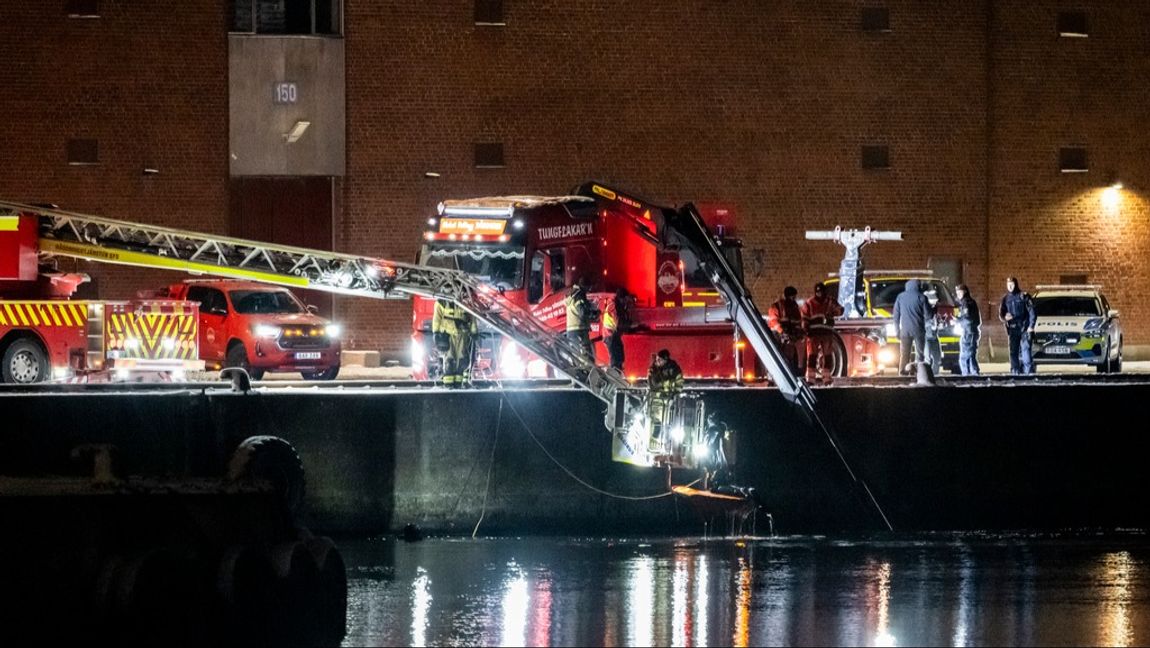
(680, 612)
(1115, 582)
(962, 619)
(515, 602)
(544, 592)
(702, 601)
(420, 604)
(742, 635)
(541, 619)
(640, 623)
(881, 584)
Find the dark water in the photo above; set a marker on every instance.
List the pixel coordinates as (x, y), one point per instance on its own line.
(939, 590)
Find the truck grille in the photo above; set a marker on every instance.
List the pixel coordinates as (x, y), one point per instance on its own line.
(1056, 338)
(311, 337)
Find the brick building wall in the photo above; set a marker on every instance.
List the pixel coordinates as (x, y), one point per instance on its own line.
(764, 106)
(1050, 92)
(148, 82)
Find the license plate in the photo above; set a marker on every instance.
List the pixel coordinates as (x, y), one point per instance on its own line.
(311, 355)
(1058, 350)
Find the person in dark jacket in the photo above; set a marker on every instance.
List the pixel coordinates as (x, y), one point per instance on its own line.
(970, 319)
(911, 313)
(935, 326)
(1017, 313)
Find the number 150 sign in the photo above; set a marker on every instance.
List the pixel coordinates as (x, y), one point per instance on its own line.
(286, 93)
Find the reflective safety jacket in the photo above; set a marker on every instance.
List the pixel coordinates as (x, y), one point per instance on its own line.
(610, 316)
(823, 311)
(578, 310)
(452, 319)
(666, 380)
(785, 318)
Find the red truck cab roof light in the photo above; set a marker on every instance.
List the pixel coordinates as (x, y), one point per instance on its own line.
(462, 210)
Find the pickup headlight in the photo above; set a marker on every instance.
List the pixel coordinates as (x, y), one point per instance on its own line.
(333, 330)
(265, 331)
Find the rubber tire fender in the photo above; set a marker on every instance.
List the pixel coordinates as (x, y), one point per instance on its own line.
(275, 460)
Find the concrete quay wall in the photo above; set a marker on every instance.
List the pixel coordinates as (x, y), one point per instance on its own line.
(971, 457)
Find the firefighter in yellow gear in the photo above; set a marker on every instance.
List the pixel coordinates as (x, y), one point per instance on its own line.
(580, 313)
(664, 383)
(454, 329)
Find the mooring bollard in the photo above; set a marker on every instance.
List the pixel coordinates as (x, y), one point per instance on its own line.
(925, 375)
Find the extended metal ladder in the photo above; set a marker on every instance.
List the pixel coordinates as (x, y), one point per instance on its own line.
(105, 240)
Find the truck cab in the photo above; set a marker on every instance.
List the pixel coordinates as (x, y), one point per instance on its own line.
(534, 248)
(261, 328)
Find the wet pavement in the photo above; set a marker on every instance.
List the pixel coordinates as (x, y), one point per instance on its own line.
(968, 589)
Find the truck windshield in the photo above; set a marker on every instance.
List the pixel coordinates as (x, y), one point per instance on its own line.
(1067, 307)
(501, 267)
(260, 302)
(883, 292)
(693, 273)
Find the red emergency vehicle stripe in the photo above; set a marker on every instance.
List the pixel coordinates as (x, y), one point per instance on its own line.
(30, 314)
(50, 314)
(151, 330)
(41, 314)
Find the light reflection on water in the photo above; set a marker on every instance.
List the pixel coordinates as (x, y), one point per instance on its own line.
(965, 590)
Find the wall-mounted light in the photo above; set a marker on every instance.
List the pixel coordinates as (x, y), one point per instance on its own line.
(1112, 196)
(430, 174)
(296, 131)
(151, 171)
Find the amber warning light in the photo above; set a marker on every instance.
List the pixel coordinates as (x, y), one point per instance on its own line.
(471, 226)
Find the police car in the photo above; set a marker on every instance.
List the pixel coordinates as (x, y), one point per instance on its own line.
(1076, 326)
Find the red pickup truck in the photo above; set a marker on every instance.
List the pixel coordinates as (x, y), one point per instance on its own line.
(261, 328)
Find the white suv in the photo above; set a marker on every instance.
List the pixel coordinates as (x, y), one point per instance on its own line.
(1076, 326)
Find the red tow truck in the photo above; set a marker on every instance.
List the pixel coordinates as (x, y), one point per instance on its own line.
(261, 328)
(534, 248)
(45, 335)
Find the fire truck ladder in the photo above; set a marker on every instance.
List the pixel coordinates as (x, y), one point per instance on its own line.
(105, 240)
(685, 227)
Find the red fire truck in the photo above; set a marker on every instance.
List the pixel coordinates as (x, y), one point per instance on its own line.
(534, 248)
(44, 335)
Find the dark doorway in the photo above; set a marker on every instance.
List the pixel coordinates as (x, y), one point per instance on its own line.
(288, 211)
